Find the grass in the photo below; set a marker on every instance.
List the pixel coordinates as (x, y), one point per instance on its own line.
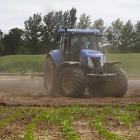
(58, 123)
(35, 63)
(20, 63)
(130, 62)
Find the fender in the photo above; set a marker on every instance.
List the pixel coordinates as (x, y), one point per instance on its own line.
(108, 65)
(68, 64)
(56, 56)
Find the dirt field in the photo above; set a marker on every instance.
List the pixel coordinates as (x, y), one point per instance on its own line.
(30, 115)
(29, 77)
(70, 122)
(19, 77)
(39, 99)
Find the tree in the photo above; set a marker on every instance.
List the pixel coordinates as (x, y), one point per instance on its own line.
(72, 18)
(136, 38)
(66, 19)
(12, 41)
(69, 18)
(1, 34)
(1, 48)
(1, 45)
(127, 38)
(116, 30)
(85, 22)
(33, 29)
(99, 24)
(53, 22)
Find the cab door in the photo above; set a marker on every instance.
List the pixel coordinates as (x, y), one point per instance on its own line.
(62, 49)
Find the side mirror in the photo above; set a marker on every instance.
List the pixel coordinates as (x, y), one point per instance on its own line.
(110, 36)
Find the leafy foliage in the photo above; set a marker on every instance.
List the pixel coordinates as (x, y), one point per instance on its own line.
(33, 28)
(1, 34)
(99, 24)
(126, 38)
(12, 41)
(116, 30)
(136, 38)
(1, 45)
(85, 22)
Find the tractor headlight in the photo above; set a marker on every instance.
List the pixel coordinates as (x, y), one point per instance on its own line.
(102, 60)
(90, 63)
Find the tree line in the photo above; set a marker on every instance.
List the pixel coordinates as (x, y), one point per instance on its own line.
(39, 34)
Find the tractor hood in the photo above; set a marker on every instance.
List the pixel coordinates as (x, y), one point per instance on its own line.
(90, 53)
(86, 55)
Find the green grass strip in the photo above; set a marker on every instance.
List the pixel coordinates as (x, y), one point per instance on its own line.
(12, 117)
(35, 63)
(107, 134)
(30, 129)
(55, 118)
(68, 131)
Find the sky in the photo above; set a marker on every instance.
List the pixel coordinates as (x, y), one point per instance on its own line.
(13, 13)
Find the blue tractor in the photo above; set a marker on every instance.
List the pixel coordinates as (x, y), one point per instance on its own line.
(78, 64)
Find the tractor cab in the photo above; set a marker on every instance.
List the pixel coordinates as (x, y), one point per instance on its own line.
(73, 41)
(81, 46)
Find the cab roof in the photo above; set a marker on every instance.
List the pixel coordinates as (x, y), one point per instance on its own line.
(80, 31)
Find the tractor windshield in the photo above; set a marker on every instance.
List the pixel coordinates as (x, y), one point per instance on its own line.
(83, 42)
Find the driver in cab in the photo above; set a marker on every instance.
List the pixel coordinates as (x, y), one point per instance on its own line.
(79, 44)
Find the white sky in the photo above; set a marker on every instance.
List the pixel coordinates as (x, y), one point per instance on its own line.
(13, 13)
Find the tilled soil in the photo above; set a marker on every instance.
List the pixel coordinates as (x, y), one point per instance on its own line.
(29, 77)
(19, 77)
(40, 99)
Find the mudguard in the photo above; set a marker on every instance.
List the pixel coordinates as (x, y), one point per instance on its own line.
(57, 57)
(68, 64)
(108, 65)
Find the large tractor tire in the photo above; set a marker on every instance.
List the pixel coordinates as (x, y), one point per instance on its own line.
(71, 82)
(115, 89)
(50, 77)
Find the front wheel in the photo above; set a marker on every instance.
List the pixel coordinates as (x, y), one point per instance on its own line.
(112, 89)
(71, 82)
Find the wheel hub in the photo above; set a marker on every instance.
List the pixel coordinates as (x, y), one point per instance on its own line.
(67, 83)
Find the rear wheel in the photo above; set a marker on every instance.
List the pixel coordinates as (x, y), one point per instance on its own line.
(50, 77)
(71, 82)
(113, 89)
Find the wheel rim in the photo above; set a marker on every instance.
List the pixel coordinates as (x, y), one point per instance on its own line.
(67, 83)
(48, 77)
(110, 86)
